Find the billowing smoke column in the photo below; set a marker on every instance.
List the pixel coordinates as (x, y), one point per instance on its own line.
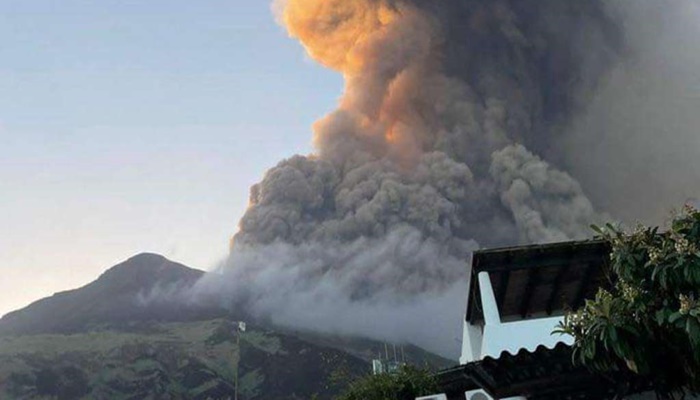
(445, 104)
(435, 150)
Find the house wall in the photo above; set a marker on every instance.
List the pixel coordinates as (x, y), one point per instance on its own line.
(495, 337)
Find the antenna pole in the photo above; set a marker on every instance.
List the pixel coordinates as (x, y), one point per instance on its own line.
(238, 362)
(240, 328)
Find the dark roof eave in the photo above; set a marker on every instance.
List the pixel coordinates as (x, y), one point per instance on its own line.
(559, 275)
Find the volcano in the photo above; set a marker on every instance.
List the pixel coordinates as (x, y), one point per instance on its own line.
(111, 299)
(106, 340)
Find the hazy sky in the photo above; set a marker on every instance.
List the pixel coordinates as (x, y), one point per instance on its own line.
(131, 126)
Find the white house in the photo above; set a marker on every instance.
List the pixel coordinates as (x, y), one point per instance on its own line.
(516, 297)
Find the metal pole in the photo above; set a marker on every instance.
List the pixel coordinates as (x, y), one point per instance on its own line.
(238, 360)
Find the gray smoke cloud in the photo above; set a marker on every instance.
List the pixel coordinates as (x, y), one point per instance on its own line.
(464, 124)
(350, 288)
(635, 148)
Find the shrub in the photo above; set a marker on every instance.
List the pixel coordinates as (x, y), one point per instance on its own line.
(407, 384)
(649, 322)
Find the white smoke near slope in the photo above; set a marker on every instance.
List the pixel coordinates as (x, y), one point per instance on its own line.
(350, 288)
(436, 148)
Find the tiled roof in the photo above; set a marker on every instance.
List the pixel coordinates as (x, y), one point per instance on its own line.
(544, 374)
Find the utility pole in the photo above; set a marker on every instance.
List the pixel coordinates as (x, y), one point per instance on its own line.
(240, 328)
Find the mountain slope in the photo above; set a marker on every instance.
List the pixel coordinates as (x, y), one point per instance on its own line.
(191, 360)
(113, 298)
(102, 341)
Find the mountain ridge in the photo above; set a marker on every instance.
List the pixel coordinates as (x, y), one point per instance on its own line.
(100, 341)
(112, 297)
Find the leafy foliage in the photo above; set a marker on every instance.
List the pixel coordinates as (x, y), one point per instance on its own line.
(407, 384)
(648, 323)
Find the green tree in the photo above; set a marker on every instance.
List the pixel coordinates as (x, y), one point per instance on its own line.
(648, 323)
(407, 384)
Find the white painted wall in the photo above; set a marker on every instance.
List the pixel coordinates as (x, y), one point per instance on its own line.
(494, 337)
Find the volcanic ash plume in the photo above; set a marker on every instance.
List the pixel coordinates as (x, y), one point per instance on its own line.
(435, 149)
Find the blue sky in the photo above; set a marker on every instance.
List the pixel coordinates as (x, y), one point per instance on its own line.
(130, 126)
